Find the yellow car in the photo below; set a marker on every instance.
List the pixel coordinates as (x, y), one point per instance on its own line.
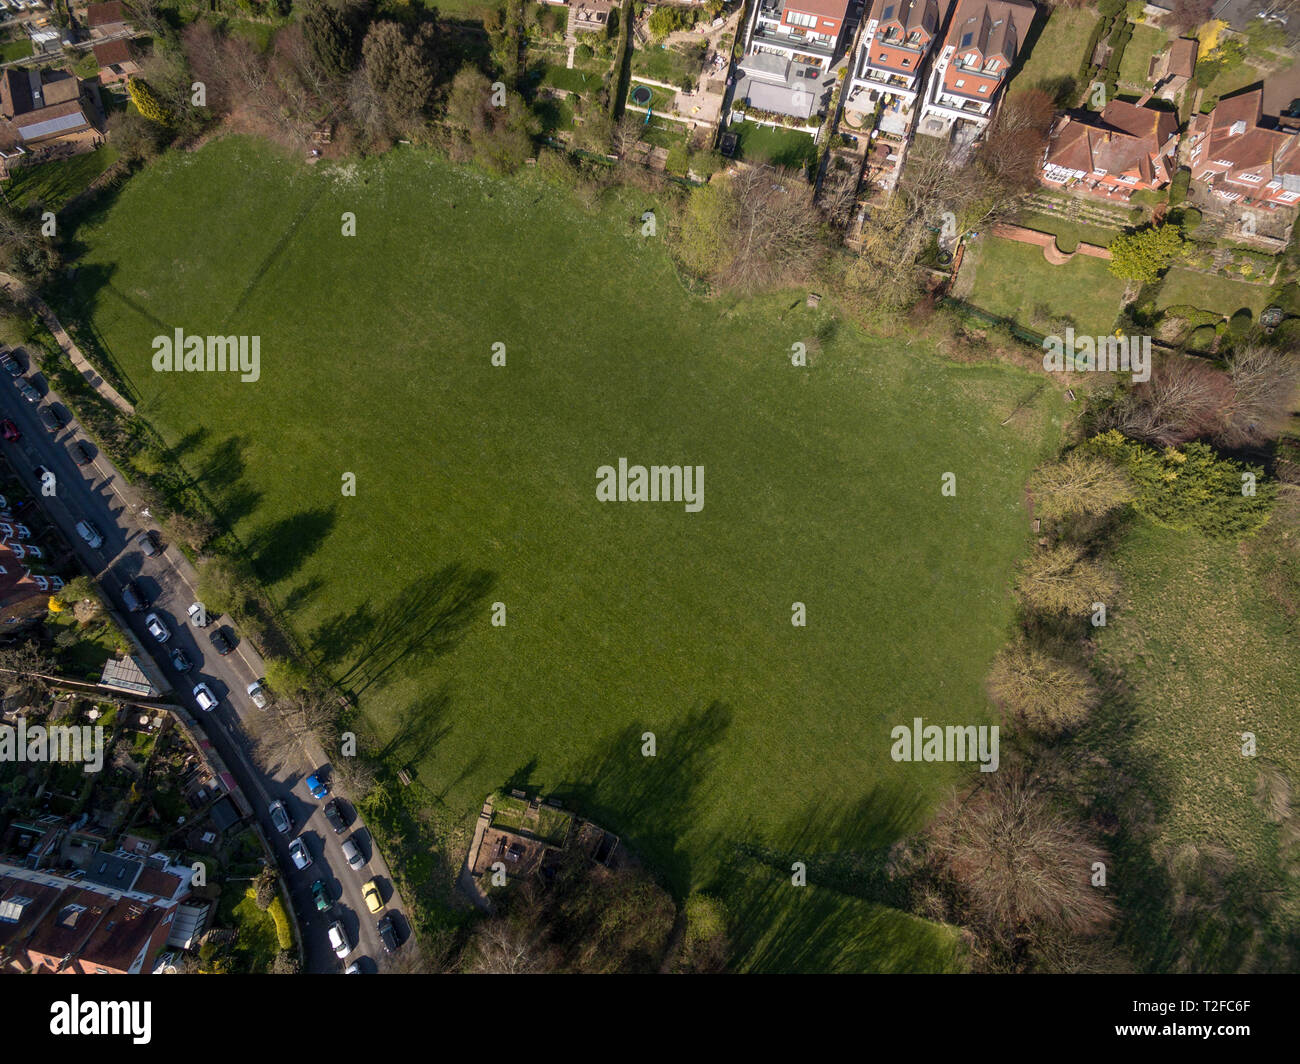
(374, 901)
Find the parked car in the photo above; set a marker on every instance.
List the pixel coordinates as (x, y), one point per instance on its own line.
(50, 419)
(147, 541)
(82, 453)
(321, 895)
(318, 789)
(374, 900)
(339, 940)
(198, 615)
(352, 853)
(28, 392)
(334, 814)
(221, 642)
(180, 662)
(133, 597)
(157, 628)
(387, 933)
(10, 430)
(353, 969)
(298, 851)
(205, 698)
(10, 362)
(90, 534)
(280, 817)
(257, 693)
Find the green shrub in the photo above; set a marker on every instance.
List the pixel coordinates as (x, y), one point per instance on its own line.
(1182, 180)
(281, 918)
(1239, 324)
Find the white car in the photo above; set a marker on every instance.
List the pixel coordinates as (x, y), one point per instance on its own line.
(257, 693)
(90, 534)
(205, 698)
(298, 851)
(198, 615)
(157, 628)
(339, 940)
(352, 853)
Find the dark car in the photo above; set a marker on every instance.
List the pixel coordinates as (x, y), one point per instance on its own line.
(221, 642)
(334, 814)
(28, 392)
(321, 895)
(11, 363)
(82, 453)
(11, 432)
(180, 662)
(133, 597)
(388, 934)
(147, 541)
(50, 419)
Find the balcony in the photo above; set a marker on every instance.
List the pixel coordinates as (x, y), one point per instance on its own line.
(788, 43)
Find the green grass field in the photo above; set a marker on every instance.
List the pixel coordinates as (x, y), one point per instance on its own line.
(476, 485)
(1205, 640)
(1147, 42)
(1013, 280)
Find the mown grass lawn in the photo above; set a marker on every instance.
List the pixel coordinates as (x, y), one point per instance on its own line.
(1015, 281)
(1147, 42)
(50, 185)
(1208, 292)
(476, 485)
(790, 148)
(1068, 232)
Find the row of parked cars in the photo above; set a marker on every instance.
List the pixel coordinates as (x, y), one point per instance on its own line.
(339, 941)
(52, 417)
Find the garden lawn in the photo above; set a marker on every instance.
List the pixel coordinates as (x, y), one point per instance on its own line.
(50, 185)
(1059, 49)
(667, 64)
(1147, 42)
(1207, 292)
(790, 148)
(1014, 280)
(476, 485)
(1069, 233)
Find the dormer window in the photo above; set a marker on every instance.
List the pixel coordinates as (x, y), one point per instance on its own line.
(1238, 127)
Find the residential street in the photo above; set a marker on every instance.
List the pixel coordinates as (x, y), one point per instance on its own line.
(96, 492)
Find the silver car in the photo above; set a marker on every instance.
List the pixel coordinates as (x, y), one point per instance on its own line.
(353, 854)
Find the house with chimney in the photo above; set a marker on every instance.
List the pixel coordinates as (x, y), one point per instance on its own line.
(1112, 155)
(1241, 159)
(983, 40)
(892, 51)
(42, 108)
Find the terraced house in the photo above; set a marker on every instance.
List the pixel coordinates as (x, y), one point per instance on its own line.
(1240, 159)
(1125, 148)
(891, 52)
(984, 37)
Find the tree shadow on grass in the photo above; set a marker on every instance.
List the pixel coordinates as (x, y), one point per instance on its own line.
(653, 802)
(420, 727)
(221, 479)
(426, 619)
(278, 550)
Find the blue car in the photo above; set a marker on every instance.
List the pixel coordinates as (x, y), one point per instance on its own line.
(318, 789)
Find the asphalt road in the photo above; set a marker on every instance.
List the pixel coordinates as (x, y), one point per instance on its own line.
(96, 492)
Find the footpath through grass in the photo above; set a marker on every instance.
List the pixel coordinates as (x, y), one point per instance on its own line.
(475, 485)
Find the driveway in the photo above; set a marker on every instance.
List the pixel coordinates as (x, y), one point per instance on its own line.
(98, 493)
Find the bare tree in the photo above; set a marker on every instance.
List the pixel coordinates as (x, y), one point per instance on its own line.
(1185, 399)
(283, 729)
(1062, 580)
(1049, 695)
(1264, 388)
(26, 664)
(1021, 865)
